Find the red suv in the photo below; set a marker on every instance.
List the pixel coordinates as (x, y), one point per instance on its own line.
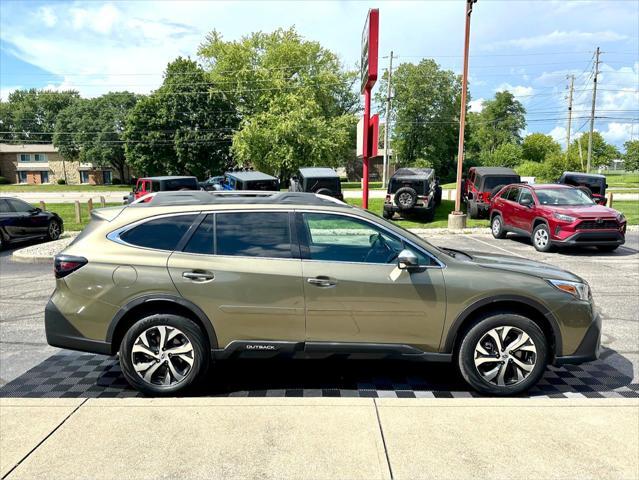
(555, 215)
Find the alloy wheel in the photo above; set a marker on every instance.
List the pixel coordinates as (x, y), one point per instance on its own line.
(162, 355)
(541, 238)
(496, 226)
(505, 356)
(404, 199)
(54, 230)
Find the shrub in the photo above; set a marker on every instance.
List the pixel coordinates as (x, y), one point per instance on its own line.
(531, 168)
(62, 181)
(4, 181)
(116, 181)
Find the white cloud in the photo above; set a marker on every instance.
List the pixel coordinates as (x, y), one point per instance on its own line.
(558, 134)
(6, 91)
(559, 37)
(476, 105)
(618, 133)
(48, 17)
(100, 20)
(516, 90)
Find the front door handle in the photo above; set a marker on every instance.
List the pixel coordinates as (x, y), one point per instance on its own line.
(198, 276)
(321, 281)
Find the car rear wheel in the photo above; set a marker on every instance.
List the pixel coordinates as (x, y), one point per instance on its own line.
(497, 227)
(473, 211)
(54, 230)
(162, 354)
(503, 354)
(541, 238)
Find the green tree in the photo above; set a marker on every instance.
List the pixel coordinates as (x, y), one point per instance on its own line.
(295, 101)
(425, 113)
(91, 130)
(30, 115)
(537, 146)
(181, 128)
(500, 121)
(631, 157)
(603, 153)
(505, 155)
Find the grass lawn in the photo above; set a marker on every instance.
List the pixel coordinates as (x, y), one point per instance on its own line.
(622, 179)
(358, 185)
(67, 212)
(62, 188)
(449, 186)
(629, 209)
(376, 205)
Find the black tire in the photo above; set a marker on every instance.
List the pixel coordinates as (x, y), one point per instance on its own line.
(405, 198)
(2, 243)
(473, 211)
(467, 352)
(54, 229)
(541, 238)
(191, 331)
(324, 191)
(497, 227)
(438, 196)
(607, 248)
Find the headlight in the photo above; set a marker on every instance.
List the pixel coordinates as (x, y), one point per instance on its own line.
(565, 218)
(621, 217)
(579, 290)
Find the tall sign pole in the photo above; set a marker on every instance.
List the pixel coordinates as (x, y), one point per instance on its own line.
(462, 125)
(370, 44)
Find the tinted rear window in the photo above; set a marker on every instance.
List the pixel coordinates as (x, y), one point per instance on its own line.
(202, 239)
(418, 185)
(4, 206)
(492, 182)
(162, 233)
(180, 184)
(263, 234)
(266, 185)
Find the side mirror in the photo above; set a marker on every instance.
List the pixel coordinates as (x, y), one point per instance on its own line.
(407, 260)
(606, 185)
(526, 202)
(35, 211)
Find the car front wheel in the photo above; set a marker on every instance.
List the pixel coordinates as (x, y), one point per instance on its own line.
(54, 230)
(541, 238)
(503, 354)
(497, 227)
(163, 354)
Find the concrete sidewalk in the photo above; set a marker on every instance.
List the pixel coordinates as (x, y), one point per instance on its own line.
(319, 438)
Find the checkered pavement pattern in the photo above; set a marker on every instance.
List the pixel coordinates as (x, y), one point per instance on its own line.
(81, 375)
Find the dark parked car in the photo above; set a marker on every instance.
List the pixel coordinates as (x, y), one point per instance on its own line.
(556, 215)
(250, 180)
(147, 185)
(323, 181)
(20, 221)
(413, 191)
(212, 184)
(592, 184)
(482, 183)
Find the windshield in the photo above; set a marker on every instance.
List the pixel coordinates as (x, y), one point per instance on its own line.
(563, 196)
(492, 182)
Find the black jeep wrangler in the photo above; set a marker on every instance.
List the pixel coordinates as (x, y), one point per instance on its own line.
(323, 181)
(591, 184)
(250, 180)
(413, 191)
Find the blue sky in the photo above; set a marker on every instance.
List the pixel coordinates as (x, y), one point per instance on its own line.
(527, 47)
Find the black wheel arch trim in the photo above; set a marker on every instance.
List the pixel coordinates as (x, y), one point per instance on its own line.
(451, 337)
(150, 298)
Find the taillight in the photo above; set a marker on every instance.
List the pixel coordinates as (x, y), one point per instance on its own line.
(388, 198)
(63, 265)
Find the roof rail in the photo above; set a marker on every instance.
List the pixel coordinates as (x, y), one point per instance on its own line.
(201, 197)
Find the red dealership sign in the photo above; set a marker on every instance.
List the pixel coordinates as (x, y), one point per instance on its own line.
(370, 41)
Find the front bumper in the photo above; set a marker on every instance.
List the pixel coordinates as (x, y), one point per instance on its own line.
(592, 238)
(60, 333)
(589, 348)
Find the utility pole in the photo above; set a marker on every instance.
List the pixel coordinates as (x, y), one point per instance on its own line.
(387, 126)
(592, 111)
(572, 84)
(457, 219)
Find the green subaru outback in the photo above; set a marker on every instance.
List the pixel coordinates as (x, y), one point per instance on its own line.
(188, 277)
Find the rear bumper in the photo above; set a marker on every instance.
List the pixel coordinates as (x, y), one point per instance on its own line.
(60, 333)
(588, 349)
(592, 238)
(391, 207)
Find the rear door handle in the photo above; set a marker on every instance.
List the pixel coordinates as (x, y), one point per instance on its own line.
(198, 276)
(321, 282)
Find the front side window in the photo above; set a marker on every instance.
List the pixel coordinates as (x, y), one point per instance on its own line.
(202, 240)
(19, 205)
(253, 234)
(25, 157)
(161, 234)
(526, 195)
(337, 238)
(512, 194)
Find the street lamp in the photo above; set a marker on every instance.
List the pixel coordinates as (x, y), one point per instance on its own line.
(457, 219)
